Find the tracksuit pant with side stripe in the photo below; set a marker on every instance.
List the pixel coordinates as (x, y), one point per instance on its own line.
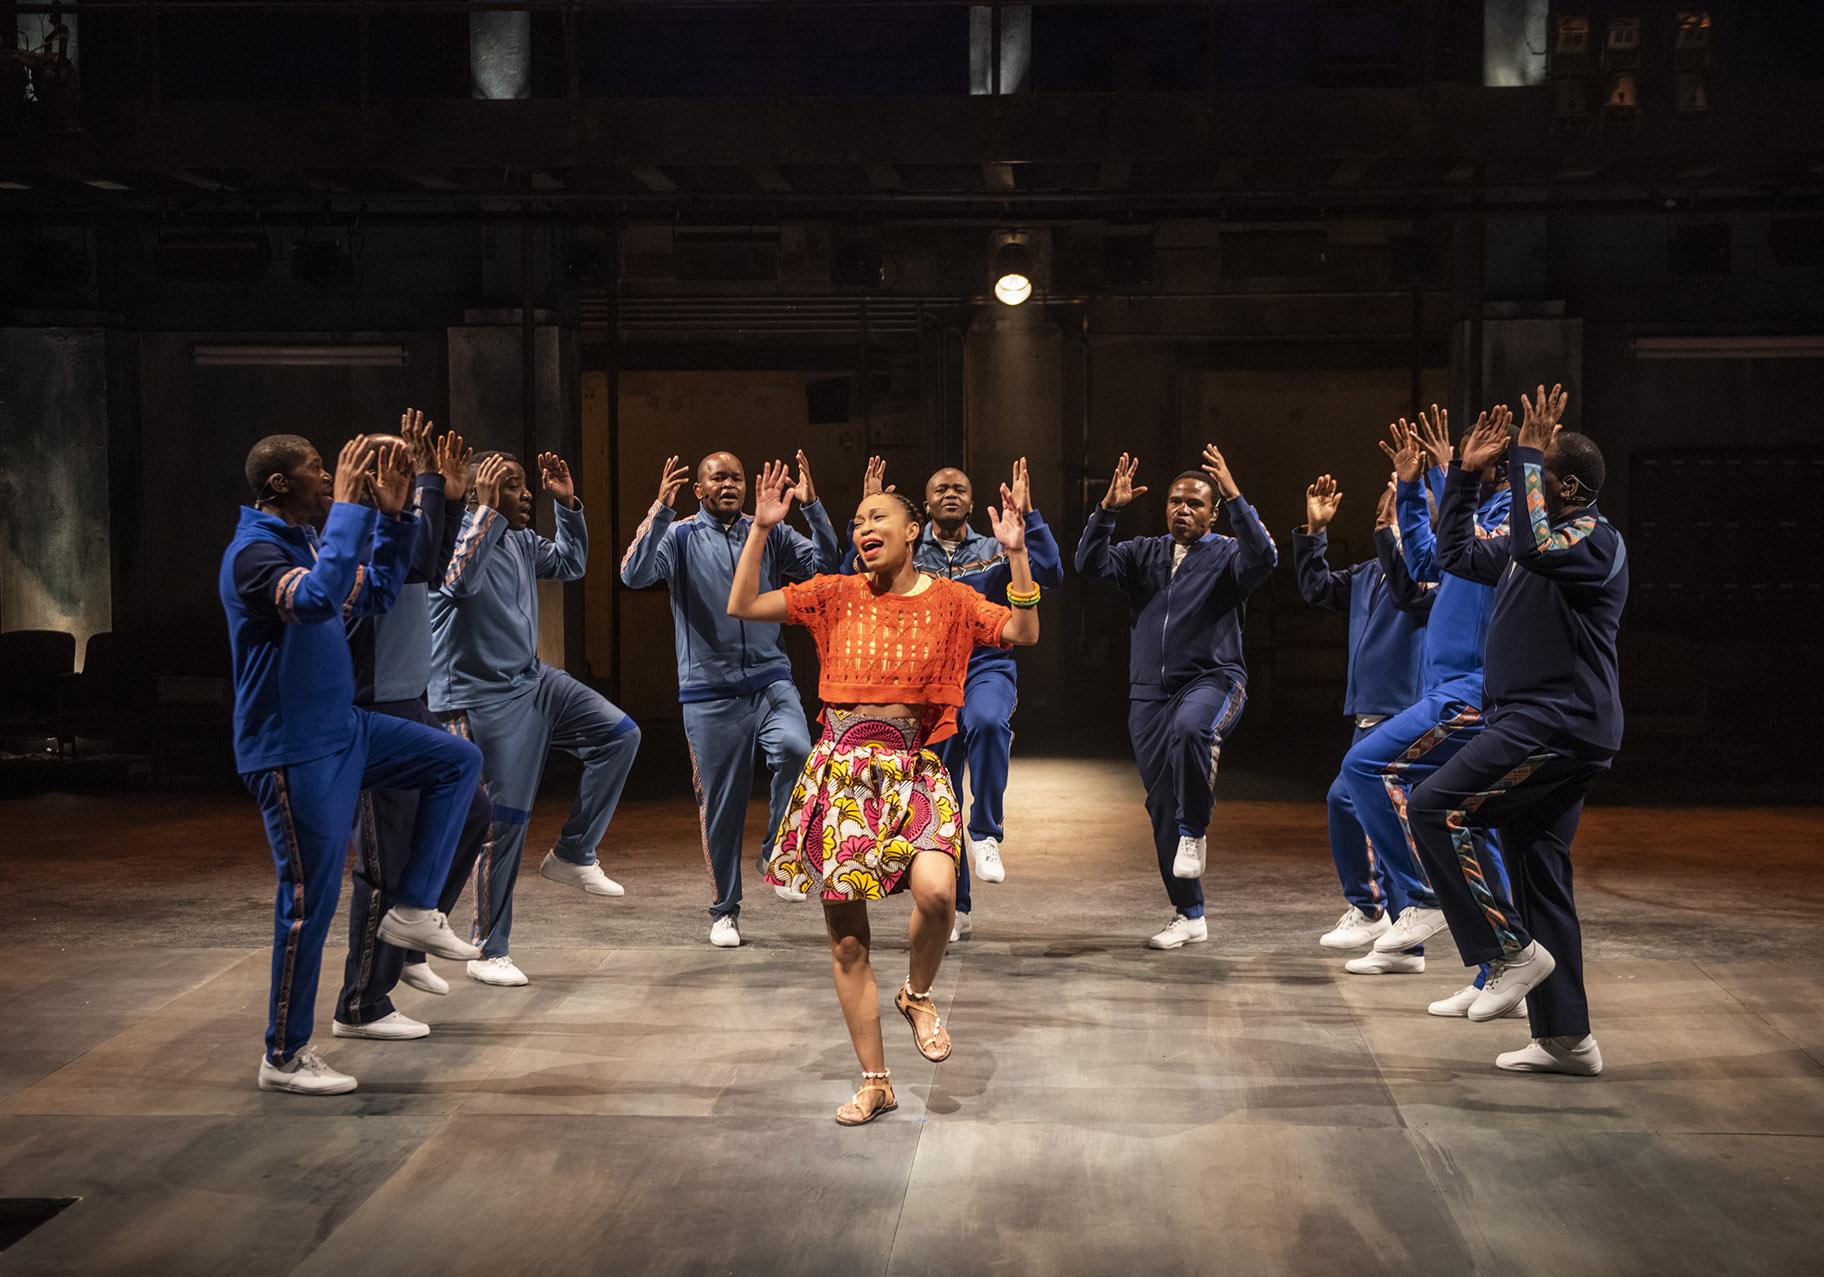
(1360, 871)
(983, 745)
(514, 733)
(1177, 743)
(309, 810)
(723, 736)
(1508, 780)
(383, 844)
(1382, 768)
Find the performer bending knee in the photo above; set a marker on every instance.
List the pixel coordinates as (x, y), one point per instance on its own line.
(873, 811)
(1554, 725)
(302, 748)
(983, 744)
(1186, 678)
(1381, 770)
(734, 680)
(392, 654)
(1387, 611)
(489, 686)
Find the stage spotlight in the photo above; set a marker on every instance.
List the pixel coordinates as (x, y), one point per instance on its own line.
(1012, 273)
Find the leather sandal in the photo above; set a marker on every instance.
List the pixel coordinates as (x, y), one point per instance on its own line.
(854, 1114)
(935, 1044)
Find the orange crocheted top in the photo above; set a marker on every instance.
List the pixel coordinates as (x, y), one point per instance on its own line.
(879, 648)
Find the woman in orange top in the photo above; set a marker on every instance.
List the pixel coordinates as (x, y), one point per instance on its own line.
(874, 812)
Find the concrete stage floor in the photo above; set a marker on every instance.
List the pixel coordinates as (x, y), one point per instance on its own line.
(650, 1104)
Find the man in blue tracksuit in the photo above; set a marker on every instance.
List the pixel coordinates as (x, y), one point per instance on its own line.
(983, 743)
(488, 685)
(1387, 610)
(1381, 769)
(734, 680)
(1186, 679)
(303, 750)
(1554, 725)
(392, 654)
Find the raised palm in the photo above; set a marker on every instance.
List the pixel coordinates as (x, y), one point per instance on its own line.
(1009, 523)
(1121, 489)
(772, 495)
(1321, 500)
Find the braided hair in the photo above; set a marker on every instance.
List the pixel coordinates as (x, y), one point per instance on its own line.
(917, 515)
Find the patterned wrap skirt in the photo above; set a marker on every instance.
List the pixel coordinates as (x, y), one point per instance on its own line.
(868, 801)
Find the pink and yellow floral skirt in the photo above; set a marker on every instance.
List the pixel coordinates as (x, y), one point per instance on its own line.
(868, 801)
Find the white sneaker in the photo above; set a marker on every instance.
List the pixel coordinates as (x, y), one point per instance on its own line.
(1577, 1056)
(962, 928)
(786, 893)
(985, 860)
(1354, 929)
(723, 935)
(393, 1027)
(1458, 1004)
(1188, 863)
(420, 976)
(1386, 964)
(1512, 980)
(1180, 932)
(428, 933)
(589, 877)
(306, 1074)
(1412, 928)
(501, 971)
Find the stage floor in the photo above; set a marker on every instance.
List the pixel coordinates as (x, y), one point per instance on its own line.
(650, 1104)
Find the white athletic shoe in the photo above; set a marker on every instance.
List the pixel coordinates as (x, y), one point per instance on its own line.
(1577, 1056)
(420, 976)
(1180, 932)
(786, 893)
(1412, 928)
(1458, 1004)
(1354, 929)
(1386, 964)
(501, 971)
(962, 928)
(589, 877)
(1512, 980)
(388, 1028)
(428, 932)
(985, 860)
(723, 934)
(1189, 861)
(306, 1074)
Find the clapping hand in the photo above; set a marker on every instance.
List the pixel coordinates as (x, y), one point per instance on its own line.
(1487, 443)
(803, 490)
(1009, 522)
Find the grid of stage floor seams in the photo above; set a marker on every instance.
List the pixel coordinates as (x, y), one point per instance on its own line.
(649, 1104)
